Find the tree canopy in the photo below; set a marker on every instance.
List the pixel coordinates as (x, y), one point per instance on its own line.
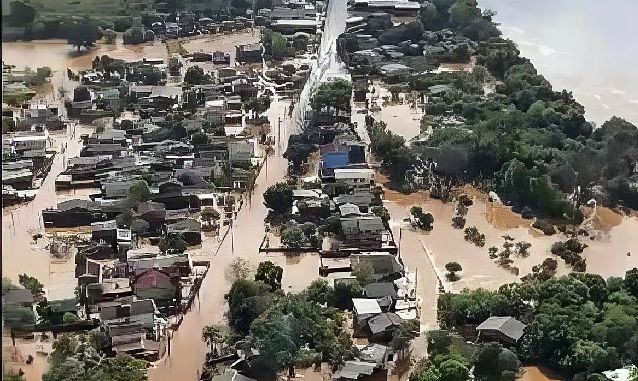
(278, 198)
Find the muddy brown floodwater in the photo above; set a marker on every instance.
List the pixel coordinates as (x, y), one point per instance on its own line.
(606, 254)
(187, 349)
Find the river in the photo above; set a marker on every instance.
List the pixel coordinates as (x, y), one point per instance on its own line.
(585, 46)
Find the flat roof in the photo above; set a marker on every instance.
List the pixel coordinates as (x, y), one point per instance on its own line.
(366, 306)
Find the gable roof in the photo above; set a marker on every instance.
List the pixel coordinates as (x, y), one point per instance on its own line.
(380, 289)
(507, 325)
(17, 296)
(383, 321)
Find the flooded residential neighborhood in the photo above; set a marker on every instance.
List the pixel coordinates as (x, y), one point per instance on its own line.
(311, 189)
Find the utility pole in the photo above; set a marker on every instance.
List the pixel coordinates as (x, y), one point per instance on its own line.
(399, 246)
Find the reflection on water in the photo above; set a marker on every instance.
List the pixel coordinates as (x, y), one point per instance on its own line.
(586, 47)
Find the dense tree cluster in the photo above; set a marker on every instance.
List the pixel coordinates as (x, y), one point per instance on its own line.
(533, 142)
(579, 324)
(288, 330)
(332, 97)
(80, 357)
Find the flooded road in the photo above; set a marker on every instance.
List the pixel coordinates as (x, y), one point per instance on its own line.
(586, 47)
(20, 254)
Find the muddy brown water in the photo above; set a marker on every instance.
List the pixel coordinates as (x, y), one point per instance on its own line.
(606, 254)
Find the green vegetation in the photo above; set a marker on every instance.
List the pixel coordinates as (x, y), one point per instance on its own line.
(195, 75)
(529, 143)
(270, 274)
(78, 358)
(278, 198)
(33, 285)
(172, 243)
(453, 268)
(423, 220)
(290, 330)
(332, 97)
(579, 324)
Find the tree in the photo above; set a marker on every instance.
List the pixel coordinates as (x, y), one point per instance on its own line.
(82, 35)
(332, 96)
(278, 198)
(125, 218)
(428, 14)
(199, 139)
(33, 285)
(7, 285)
(293, 237)
(404, 333)
(239, 268)
(344, 292)
(134, 36)
(139, 192)
(452, 268)
(69, 318)
(17, 316)
(424, 220)
(247, 299)
(209, 215)
(381, 211)
(631, 281)
(453, 370)
(319, 291)
(591, 357)
(279, 46)
(195, 76)
(270, 274)
(492, 360)
(213, 336)
(172, 243)
(364, 272)
(22, 13)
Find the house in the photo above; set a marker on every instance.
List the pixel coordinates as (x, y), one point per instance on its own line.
(104, 231)
(17, 297)
(381, 326)
(139, 261)
(231, 375)
(355, 177)
(354, 370)
(240, 151)
(505, 329)
(363, 231)
(364, 309)
(130, 338)
(383, 264)
(137, 312)
(248, 53)
(30, 142)
(359, 197)
(157, 285)
(380, 289)
(190, 230)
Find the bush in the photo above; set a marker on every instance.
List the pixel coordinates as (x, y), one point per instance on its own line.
(122, 24)
(134, 36)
